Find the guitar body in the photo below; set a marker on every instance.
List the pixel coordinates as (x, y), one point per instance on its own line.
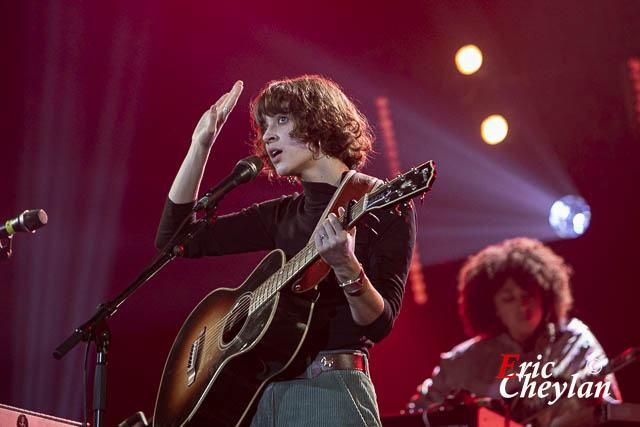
(228, 349)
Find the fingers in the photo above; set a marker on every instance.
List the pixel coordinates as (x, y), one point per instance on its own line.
(318, 238)
(334, 244)
(219, 107)
(213, 119)
(229, 100)
(332, 232)
(232, 97)
(333, 228)
(215, 115)
(326, 235)
(220, 111)
(341, 212)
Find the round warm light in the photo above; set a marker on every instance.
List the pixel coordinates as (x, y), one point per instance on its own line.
(468, 59)
(494, 129)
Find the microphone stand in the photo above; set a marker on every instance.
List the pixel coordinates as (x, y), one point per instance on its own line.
(96, 329)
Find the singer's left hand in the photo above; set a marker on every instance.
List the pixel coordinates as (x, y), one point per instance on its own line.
(214, 118)
(336, 246)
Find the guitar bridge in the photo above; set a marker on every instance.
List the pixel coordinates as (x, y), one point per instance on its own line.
(194, 358)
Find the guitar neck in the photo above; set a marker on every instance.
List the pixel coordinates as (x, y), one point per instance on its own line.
(416, 181)
(301, 261)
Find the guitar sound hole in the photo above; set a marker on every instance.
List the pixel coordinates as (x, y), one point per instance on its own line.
(236, 319)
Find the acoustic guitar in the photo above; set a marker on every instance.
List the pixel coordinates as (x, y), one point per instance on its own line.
(236, 340)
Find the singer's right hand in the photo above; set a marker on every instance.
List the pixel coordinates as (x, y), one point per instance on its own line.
(214, 118)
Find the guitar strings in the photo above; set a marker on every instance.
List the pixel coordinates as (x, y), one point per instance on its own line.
(257, 297)
(264, 291)
(244, 308)
(266, 287)
(254, 300)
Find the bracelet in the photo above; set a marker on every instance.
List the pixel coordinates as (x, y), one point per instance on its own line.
(355, 286)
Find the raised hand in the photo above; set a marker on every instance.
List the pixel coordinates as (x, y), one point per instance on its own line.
(187, 181)
(208, 128)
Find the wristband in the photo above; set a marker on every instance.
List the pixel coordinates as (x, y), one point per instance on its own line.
(355, 286)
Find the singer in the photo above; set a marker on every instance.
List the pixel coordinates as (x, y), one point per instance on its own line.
(308, 131)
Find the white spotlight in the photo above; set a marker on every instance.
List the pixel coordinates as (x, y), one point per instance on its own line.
(569, 216)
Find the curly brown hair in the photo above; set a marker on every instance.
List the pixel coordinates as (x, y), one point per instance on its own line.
(324, 118)
(530, 264)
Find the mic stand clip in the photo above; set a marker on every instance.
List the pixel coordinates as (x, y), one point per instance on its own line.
(6, 248)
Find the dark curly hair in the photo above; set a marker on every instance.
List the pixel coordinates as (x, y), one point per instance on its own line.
(324, 118)
(530, 264)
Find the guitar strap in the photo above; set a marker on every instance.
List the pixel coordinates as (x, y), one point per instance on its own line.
(354, 186)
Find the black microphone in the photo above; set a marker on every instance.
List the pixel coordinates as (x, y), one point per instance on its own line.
(244, 171)
(27, 221)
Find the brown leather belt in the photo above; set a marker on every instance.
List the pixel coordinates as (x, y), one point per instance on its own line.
(335, 361)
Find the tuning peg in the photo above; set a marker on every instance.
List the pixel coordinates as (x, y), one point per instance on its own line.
(422, 198)
(375, 218)
(398, 211)
(371, 229)
(366, 222)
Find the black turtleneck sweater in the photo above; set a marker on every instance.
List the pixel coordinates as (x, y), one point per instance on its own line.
(287, 223)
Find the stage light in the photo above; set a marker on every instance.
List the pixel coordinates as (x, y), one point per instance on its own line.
(569, 216)
(468, 59)
(494, 129)
(418, 285)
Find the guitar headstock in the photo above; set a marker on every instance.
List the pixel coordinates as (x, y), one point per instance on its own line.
(416, 181)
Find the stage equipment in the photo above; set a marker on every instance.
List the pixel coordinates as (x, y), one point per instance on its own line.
(244, 171)
(468, 59)
(569, 216)
(238, 339)
(494, 129)
(27, 221)
(96, 330)
(10, 416)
